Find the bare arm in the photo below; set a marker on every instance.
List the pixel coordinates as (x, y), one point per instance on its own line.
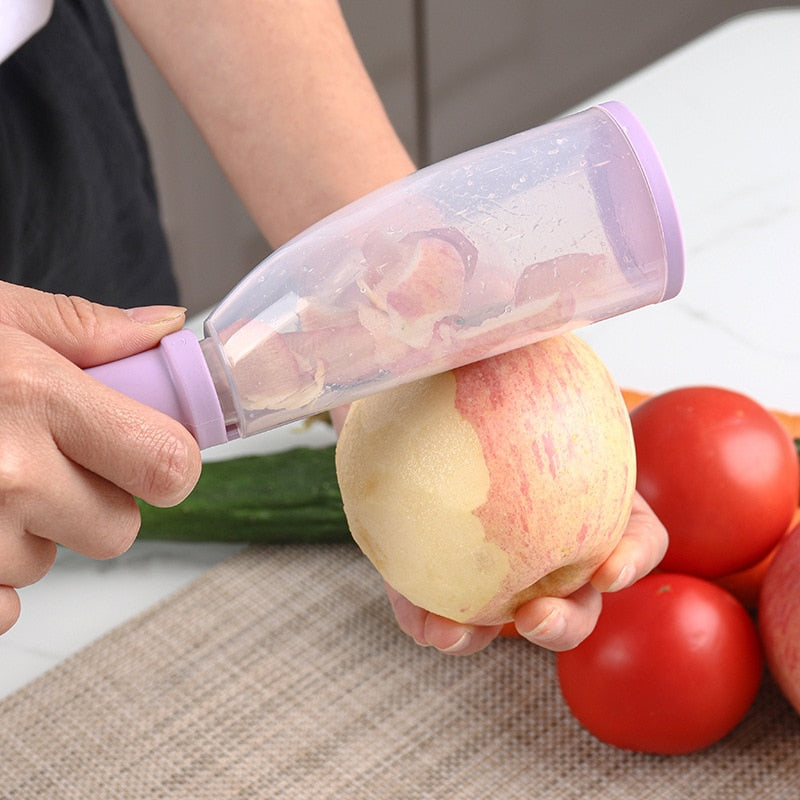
(281, 95)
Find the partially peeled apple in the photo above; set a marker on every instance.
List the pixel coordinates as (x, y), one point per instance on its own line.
(478, 489)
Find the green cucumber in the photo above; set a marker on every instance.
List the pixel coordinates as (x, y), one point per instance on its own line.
(280, 498)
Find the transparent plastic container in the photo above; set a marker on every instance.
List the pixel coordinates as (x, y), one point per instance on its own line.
(537, 234)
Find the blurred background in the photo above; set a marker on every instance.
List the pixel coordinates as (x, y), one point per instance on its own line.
(453, 74)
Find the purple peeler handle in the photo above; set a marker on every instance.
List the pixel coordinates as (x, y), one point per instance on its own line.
(174, 379)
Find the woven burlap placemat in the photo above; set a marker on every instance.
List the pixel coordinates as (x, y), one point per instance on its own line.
(281, 674)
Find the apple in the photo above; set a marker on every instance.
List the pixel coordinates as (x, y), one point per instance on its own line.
(779, 616)
(477, 489)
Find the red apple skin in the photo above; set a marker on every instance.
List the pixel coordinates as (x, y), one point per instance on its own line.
(779, 617)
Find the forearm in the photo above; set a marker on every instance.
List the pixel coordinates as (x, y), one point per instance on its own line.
(279, 92)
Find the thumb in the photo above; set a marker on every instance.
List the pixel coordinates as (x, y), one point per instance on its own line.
(84, 332)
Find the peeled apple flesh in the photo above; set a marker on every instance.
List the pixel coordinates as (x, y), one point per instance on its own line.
(478, 489)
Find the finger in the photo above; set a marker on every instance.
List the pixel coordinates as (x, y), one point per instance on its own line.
(560, 623)
(136, 448)
(45, 396)
(81, 511)
(431, 630)
(46, 496)
(640, 550)
(338, 416)
(85, 333)
(24, 559)
(456, 638)
(410, 618)
(9, 608)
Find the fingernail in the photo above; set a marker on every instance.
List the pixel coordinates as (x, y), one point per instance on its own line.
(460, 644)
(550, 628)
(624, 579)
(155, 315)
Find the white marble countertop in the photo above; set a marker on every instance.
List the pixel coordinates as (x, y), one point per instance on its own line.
(724, 113)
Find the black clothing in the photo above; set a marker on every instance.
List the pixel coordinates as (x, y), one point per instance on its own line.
(78, 206)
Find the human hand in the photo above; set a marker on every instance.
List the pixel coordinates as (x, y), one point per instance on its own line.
(74, 453)
(556, 623)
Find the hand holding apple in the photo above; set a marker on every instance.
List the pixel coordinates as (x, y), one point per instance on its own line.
(528, 458)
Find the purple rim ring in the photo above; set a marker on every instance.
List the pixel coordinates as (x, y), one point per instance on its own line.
(662, 194)
(194, 387)
(174, 379)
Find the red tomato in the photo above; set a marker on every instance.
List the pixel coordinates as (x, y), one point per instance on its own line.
(745, 585)
(720, 472)
(672, 666)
